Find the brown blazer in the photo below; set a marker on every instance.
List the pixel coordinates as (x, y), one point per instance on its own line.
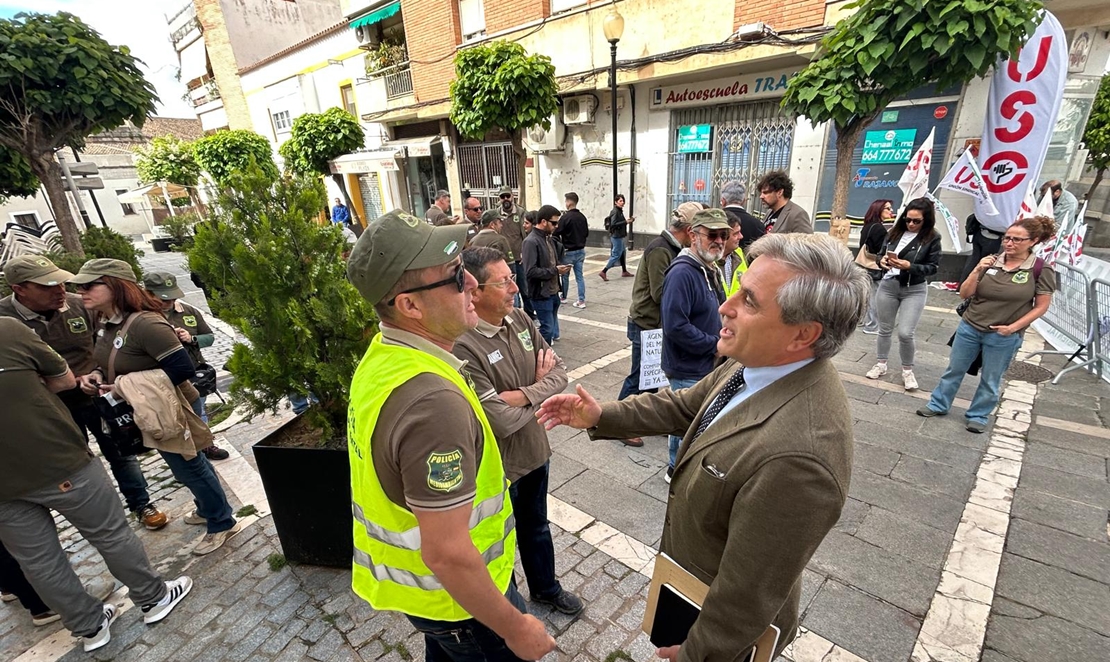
(786, 459)
(793, 218)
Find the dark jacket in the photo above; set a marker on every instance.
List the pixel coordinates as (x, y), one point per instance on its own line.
(873, 236)
(573, 230)
(618, 225)
(539, 268)
(782, 465)
(924, 259)
(750, 226)
(647, 289)
(692, 293)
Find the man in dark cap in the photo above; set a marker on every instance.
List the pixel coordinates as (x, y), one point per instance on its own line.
(434, 533)
(512, 216)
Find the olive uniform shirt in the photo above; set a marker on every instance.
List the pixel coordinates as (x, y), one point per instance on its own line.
(41, 444)
(512, 228)
(492, 239)
(503, 358)
(149, 340)
(424, 422)
(68, 331)
(1003, 297)
(184, 316)
(437, 216)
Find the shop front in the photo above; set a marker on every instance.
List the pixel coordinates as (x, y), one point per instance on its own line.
(366, 177)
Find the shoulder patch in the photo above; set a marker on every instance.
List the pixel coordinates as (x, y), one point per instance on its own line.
(1021, 277)
(526, 340)
(189, 320)
(445, 470)
(77, 325)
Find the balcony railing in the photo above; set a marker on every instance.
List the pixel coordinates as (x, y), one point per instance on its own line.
(398, 80)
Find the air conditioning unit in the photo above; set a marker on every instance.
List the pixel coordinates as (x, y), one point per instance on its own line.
(578, 110)
(539, 140)
(362, 34)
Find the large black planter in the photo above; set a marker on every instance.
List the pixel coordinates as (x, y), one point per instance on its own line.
(161, 244)
(309, 490)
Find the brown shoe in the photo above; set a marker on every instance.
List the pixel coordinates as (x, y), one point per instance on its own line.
(603, 276)
(634, 442)
(627, 274)
(152, 518)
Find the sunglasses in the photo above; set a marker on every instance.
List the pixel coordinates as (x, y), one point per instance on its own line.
(89, 286)
(474, 209)
(914, 221)
(1015, 240)
(716, 235)
(458, 279)
(506, 197)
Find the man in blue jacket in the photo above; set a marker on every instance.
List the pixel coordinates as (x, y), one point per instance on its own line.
(693, 290)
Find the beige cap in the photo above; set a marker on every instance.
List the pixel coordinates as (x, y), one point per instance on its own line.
(686, 211)
(104, 266)
(34, 269)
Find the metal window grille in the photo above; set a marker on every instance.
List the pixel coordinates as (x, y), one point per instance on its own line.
(485, 168)
(371, 196)
(398, 81)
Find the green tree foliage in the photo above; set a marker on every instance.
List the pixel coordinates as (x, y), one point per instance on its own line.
(60, 81)
(279, 277)
(225, 154)
(499, 86)
(318, 138)
(168, 159)
(16, 178)
(1097, 134)
(888, 48)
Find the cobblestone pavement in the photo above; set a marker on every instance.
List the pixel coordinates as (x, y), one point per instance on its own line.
(952, 546)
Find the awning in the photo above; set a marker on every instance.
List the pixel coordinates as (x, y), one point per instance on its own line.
(415, 146)
(194, 61)
(378, 15)
(376, 161)
(154, 191)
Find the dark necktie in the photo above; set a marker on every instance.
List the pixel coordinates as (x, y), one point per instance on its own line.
(734, 385)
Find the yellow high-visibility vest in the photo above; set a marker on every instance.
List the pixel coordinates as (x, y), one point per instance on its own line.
(388, 571)
(732, 280)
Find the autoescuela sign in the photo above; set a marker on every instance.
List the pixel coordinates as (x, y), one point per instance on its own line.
(745, 87)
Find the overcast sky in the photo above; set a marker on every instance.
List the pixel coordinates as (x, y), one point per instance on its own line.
(138, 24)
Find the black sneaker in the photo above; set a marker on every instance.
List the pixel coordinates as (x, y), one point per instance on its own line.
(564, 601)
(669, 475)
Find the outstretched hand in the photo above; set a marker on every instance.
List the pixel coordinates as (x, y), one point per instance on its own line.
(578, 410)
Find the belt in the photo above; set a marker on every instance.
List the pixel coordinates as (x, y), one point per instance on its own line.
(988, 234)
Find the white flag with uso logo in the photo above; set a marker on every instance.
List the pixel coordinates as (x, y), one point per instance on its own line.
(965, 177)
(1025, 98)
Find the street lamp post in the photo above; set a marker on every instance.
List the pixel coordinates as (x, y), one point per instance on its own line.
(613, 26)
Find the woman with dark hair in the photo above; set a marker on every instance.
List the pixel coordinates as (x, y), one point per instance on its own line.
(136, 337)
(909, 255)
(872, 235)
(617, 225)
(1007, 293)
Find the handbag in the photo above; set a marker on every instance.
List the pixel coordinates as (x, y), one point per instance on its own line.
(867, 259)
(205, 379)
(117, 416)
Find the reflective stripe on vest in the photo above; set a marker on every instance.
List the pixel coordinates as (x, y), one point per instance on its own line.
(388, 571)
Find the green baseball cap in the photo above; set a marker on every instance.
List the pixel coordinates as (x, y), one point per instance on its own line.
(103, 266)
(490, 216)
(710, 219)
(504, 190)
(34, 269)
(162, 285)
(398, 242)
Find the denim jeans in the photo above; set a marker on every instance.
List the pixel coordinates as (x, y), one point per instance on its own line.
(893, 301)
(522, 299)
(208, 495)
(576, 259)
(199, 409)
(533, 532)
(616, 254)
(126, 470)
(547, 313)
(300, 403)
(674, 442)
(871, 317)
(631, 384)
(466, 641)
(998, 352)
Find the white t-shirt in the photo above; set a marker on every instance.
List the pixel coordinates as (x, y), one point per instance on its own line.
(904, 241)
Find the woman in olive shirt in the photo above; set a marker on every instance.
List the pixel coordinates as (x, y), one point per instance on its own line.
(109, 287)
(1008, 292)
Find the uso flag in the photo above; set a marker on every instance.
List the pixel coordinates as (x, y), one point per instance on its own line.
(1025, 98)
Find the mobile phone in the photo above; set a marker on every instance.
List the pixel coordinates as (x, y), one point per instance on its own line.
(891, 255)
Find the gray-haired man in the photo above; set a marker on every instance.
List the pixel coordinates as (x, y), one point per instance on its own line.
(763, 471)
(437, 213)
(734, 195)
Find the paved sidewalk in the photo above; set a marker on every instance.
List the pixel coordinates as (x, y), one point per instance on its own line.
(998, 542)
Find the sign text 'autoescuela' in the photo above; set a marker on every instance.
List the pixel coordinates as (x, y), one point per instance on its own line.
(745, 87)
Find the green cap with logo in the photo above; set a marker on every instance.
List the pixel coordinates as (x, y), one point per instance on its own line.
(162, 285)
(504, 190)
(398, 242)
(34, 269)
(490, 216)
(103, 266)
(710, 219)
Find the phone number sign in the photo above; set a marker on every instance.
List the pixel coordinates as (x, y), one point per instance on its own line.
(890, 146)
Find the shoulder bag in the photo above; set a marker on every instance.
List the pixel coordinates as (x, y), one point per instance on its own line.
(116, 414)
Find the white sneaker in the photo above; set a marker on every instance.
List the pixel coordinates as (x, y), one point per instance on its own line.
(175, 593)
(909, 380)
(194, 518)
(878, 371)
(213, 541)
(104, 634)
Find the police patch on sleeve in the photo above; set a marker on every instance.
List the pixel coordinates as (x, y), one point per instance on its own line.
(526, 340)
(445, 470)
(77, 325)
(189, 320)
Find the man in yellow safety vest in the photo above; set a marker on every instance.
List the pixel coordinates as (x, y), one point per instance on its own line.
(433, 523)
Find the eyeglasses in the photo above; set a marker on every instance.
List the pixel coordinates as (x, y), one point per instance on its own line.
(1015, 240)
(716, 235)
(459, 280)
(504, 283)
(89, 286)
(888, 208)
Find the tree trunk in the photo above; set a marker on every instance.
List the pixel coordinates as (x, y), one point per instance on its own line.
(846, 139)
(341, 181)
(1098, 179)
(521, 159)
(50, 174)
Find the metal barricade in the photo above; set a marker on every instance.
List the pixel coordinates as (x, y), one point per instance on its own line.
(1072, 316)
(1100, 311)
